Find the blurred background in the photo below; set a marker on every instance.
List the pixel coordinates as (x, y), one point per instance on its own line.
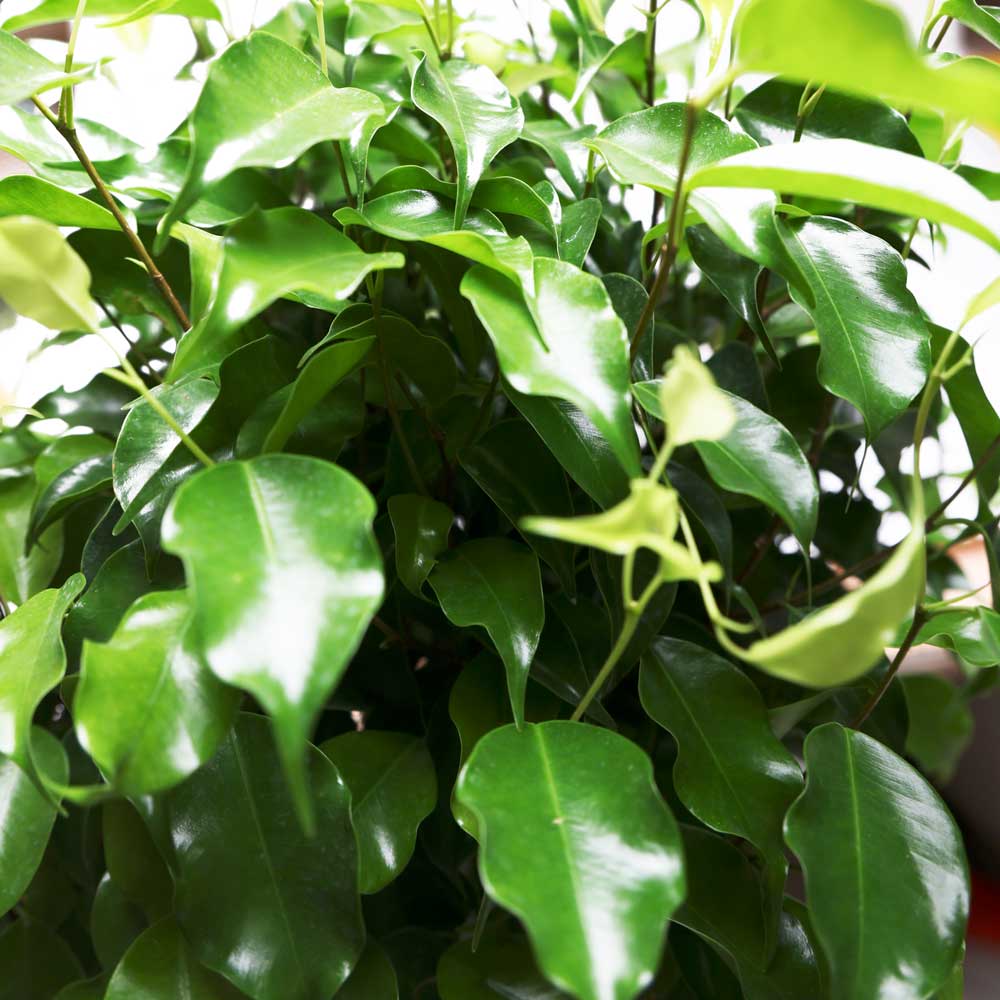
(140, 96)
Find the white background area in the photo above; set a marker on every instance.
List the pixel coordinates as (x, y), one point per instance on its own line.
(140, 98)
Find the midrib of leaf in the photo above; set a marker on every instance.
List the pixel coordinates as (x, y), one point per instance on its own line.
(656, 165)
(840, 319)
(501, 605)
(266, 855)
(393, 764)
(776, 500)
(567, 848)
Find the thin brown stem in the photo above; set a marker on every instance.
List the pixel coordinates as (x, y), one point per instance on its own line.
(68, 132)
(919, 617)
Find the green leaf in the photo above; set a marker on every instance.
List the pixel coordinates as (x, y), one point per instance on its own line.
(421, 528)
(972, 633)
(42, 278)
(373, 977)
(846, 170)
(25, 195)
(265, 257)
(32, 662)
(820, 42)
(273, 548)
(51, 11)
(939, 724)
(496, 583)
(770, 115)
(886, 876)
(24, 72)
(35, 963)
(159, 964)
(79, 482)
(274, 911)
(232, 127)
(28, 816)
(477, 114)
(497, 462)
(731, 771)
(421, 215)
(874, 340)
(115, 922)
(393, 789)
(690, 401)
(24, 571)
(758, 457)
(578, 844)
(134, 861)
(982, 21)
(565, 341)
(146, 708)
(565, 146)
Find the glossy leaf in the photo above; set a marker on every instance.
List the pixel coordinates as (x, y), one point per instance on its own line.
(495, 583)
(24, 569)
(421, 528)
(373, 977)
(564, 341)
(972, 633)
(477, 114)
(27, 815)
(32, 662)
(25, 195)
(35, 963)
(80, 481)
(847, 170)
(576, 841)
(51, 11)
(874, 340)
(265, 257)
(939, 724)
(263, 104)
(909, 887)
(275, 547)
(26, 72)
(42, 278)
(393, 788)
(170, 713)
(272, 910)
(160, 964)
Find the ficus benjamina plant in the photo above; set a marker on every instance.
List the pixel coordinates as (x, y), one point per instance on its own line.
(461, 583)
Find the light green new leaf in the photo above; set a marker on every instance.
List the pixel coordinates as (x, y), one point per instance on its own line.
(982, 21)
(886, 877)
(565, 341)
(577, 843)
(495, 583)
(285, 576)
(267, 256)
(393, 789)
(32, 662)
(691, 403)
(875, 343)
(986, 299)
(274, 911)
(847, 170)
(731, 771)
(42, 277)
(27, 816)
(424, 216)
(421, 528)
(146, 708)
(23, 194)
(160, 963)
(24, 73)
(717, 15)
(52, 11)
(758, 457)
(263, 104)
(824, 40)
(477, 113)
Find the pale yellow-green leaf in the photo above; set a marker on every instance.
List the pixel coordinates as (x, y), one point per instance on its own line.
(694, 407)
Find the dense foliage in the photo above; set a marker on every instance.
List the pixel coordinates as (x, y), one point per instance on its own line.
(456, 589)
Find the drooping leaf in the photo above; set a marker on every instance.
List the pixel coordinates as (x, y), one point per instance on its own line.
(476, 112)
(272, 910)
(25, 72)
(263, 104)
(847, 170)
(32, 662)
(42, 278)
(820, 42)
(576, 841)
(495, 583)
(886, 876)
(496, 462)
(146, 708)
(875, 347)
(393, 789)
(274, 547)
(160, 963)
(267, 256)
(27, 816)
(731, 771)
(421, 527)
(565, 341)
